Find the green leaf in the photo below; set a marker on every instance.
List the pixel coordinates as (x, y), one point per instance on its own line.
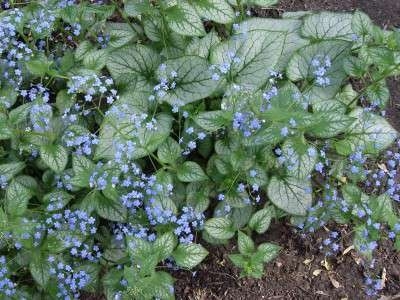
(120, 34)
(219, 228)
(378, 93)
(165, 245)
(329, 120)
(153, 27)
(190, 171)
(83, 169)
(117, 129)
(40, 268)
(369, 132)
(239, 260)
(289, 27)
(8, 96)
(183, 19)
(110, 209)
(361, 241)
(193, 80)
(299, 162)
(382, 209)
(265, 136)
(5, 130)
(135, 62)
(261, 219)
(158, 285)
(39, 65)
(11, 169)
(17, 198)
(355, 66)
(361, 24)
(263, 3)
(245, 243)
(259, 52)
(95, 59)
(55, 157)
(197, 195)
(237, 199)
(300, 67)
(83, 48)
(202, 46)
(291, 195)
(169, 151)
(64, 101)
(268, 251)
(328, 25)
(215, 10)
(189, 255)
(240, 216)
(20, 113)
(138, 247)
(134, 8)
(211, 120)
(353, 195)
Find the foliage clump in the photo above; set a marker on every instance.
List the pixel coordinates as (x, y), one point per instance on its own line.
(130, 133)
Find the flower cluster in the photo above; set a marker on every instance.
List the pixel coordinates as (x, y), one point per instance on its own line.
(74, 30)
(383, 178)
(69, 280)
(166, 83)
(103, 40)
(12, 49)
(42, 21)
(3, 182)
(7, 287)
(190, 138)
(82, 144)
(86, 252)
(230, 59)
(99, 178)
(91, 86)
(122, 230)
(246, 122)
(41, 111)
(321, 66)
(373, 286)
(188, 221)
(267, 96)
(330, 245)
(69, 222)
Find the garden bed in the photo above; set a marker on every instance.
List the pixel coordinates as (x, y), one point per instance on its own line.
(145, 144)
(300, 271)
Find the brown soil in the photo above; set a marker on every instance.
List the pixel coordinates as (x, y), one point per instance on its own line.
(300, 272)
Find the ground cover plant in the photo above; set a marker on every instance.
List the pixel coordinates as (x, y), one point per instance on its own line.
(135, 134)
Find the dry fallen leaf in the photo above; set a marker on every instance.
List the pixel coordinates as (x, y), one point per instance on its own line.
(348, 249)
(334, 282)
(316, 272)
(308, 260)
(383, 167)
(383, 280)
(326, 264)
(321, 293)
